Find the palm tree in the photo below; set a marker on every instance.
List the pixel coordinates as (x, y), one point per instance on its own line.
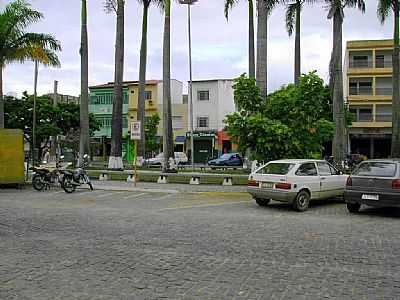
(252, 64)
(84, 105)
(141, 109)
(264, 8)
(384, 9)
(293, 21)
(115, 161)
(336, 12)
(168, 142)
(17, 45)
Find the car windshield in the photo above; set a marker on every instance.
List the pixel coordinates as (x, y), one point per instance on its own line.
(224, 156)
(378, 169)
(276, 168)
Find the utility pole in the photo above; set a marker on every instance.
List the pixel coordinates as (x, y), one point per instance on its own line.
(34, 112)
(53, 148)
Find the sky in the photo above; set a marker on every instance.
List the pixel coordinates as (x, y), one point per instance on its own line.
(219, 46)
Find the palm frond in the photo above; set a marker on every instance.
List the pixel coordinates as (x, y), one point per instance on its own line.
(110, 6)
(290, 17)
(360, 4)
(384, 9)
(229, 4)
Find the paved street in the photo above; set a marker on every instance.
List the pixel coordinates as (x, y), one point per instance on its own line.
(145, 245)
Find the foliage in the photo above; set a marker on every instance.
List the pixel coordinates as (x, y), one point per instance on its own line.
(60, 120)
(150, 128)
(294, 123)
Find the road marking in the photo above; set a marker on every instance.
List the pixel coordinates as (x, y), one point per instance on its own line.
(134, 196)
(108, 194)
(204, 205)
(161, 198)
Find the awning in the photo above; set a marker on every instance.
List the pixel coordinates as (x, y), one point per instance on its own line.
(180, 139)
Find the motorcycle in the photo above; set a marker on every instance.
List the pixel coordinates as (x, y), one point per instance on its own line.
(77, 177)
(44, 176)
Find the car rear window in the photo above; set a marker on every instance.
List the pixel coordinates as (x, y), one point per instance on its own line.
(276, 169)
(378, 169)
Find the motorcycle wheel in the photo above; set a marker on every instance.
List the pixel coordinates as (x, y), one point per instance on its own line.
(37, 183)
(68, 184)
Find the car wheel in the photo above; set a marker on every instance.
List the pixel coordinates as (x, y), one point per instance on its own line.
(262, 202)
(353, 207)
(302, 201)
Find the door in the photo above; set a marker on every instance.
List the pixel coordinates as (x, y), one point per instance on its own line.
(202, 151)
(307, 177)
(330, 182)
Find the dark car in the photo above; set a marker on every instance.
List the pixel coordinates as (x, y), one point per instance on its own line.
(374, 183)
(227, 160)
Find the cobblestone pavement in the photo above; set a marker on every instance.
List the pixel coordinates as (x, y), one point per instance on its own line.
(141, 245)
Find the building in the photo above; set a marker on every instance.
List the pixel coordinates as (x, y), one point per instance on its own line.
(64, 98)
(368, 88)
(212, 101)
(101, 106)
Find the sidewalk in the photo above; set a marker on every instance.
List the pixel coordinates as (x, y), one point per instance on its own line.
(164, 188)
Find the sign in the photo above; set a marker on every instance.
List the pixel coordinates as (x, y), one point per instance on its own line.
(135, 131)
(199, 134)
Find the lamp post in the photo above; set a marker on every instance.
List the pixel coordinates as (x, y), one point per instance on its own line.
(34, 112)
(189, 3)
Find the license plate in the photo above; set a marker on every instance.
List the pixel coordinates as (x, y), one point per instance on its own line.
(267, 185)
(370, 197)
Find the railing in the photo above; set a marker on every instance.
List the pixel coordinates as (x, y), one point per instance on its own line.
(361, 64)
(360, 90)
(384, 91)
(383, 118)
(379, 63)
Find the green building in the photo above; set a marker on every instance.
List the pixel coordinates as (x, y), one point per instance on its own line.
(101, 105)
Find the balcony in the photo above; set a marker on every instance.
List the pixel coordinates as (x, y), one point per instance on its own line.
(360, 90)
(380, 63)
(384, 91)
(361, 64)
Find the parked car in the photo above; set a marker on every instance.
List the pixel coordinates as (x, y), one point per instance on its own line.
(180, 159)
(374, 183)
(227, 160)
(296, 182)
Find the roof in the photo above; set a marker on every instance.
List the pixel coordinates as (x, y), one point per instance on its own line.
(369, 44)
(212, 80)
(125, 84)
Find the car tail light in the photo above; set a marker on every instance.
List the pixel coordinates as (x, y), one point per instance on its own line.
(396, 184)
(252, 183)
(283, 186)
(349, 181)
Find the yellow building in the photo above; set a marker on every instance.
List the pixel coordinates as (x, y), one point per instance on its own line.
(154, 105)
(368, 89)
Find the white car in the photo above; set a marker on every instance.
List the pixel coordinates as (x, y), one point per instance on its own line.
(296, 182)
(180, 159)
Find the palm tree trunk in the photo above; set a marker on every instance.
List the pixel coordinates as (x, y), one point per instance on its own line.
(262, 47)
(252, 63)
(141, 108)
(115, 161)
(297, 47)
(1, 99)
(84, 105)
(168, 142)
(338, 100)
(396, 88)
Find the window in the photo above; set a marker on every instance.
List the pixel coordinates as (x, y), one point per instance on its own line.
(362, 113)
(360, 87)
(148, 95)
(384, 113)
(324, 169)
(202, 122)
(177, 122)
(378, 169)
(203, 95)
(276, 169)
(307, 169)
(361, 61)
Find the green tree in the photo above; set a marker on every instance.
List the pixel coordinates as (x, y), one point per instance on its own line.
(384, 9)
(336, 12)
(151, 125)
(142, 74)
(252, 61)
(17, 45)
(295, 123)
(115, 161)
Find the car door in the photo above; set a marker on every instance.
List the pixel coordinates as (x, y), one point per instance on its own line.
(328, 182)
(307, 177)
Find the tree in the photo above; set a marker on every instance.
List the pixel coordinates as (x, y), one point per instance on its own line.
(84, 101)
(168, 139)
(336, 12)
(295, 123)
(252, 64)
(141, 109)
(115, 161)
(62, 119)
(151, 124)
(384, 8)
(17, 45)
(293, 21)
(264, 8)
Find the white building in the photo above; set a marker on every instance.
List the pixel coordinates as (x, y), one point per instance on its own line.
(213, 100)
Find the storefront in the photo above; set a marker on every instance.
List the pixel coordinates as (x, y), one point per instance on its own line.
(224, 143)
(370, 142)
(204, 145)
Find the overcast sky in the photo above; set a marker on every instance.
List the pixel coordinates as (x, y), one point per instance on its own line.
(219, 47)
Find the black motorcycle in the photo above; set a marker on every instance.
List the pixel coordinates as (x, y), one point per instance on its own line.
(44, 178)
(77, 177)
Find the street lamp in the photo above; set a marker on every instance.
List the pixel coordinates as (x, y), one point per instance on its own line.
(189, 3)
